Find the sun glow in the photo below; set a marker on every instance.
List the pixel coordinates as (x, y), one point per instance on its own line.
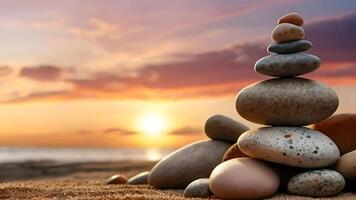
(153, 124)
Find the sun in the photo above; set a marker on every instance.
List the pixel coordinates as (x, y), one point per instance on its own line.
(153, 124)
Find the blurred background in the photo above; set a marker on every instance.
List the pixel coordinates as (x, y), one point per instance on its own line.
(112, 80)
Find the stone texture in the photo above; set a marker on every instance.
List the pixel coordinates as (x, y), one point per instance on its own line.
(139, 179)
(287, 32)
(347, 165)
(290, 47)
(198, 188)
(317, 183)
(237, 179)
(287, 65)
(294, 146)
(293, 18)
(187, 164)
(116, 179)
(341, 128)
(233, 152)
(219, 127)
(286, 102)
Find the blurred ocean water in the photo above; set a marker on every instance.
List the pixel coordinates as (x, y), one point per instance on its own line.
(19, 154)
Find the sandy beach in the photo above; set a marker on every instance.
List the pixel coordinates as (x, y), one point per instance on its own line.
(53, 180)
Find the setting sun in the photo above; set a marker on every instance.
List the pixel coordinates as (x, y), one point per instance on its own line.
(153, 124)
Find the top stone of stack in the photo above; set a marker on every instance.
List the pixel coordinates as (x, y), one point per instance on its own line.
(287, 59)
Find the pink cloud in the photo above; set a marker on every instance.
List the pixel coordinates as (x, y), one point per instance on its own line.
(42, 73)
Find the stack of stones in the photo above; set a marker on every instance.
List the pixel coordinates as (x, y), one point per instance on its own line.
(285, 104)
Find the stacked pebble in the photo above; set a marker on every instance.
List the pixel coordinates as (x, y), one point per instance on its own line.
(285, 104)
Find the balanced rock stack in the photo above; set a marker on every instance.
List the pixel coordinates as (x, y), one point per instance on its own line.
(285, 104)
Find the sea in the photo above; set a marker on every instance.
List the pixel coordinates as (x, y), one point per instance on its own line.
(27, 154)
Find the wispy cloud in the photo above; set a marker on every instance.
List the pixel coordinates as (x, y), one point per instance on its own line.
(186, 131)
(5, 70)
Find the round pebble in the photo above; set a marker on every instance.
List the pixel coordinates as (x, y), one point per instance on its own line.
(237, 179)
(139, 179)
(286, 102)
(293, 146)
(219, 127)
(287, 65)
(290, 47)
(293, 18)
(287, 32)
(341, 128)
(198, 188)
(233, 152)
(187, 164)
(347, 165)
(116, 179)
(317, 183)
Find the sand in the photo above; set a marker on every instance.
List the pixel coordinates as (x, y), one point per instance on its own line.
(48, 180)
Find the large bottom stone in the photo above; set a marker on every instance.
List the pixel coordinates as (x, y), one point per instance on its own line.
(294, 146)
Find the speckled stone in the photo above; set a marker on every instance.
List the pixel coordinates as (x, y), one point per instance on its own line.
(294, 146)
(287, 32)
(198, 188)
(317, 183)
(286, 102)
(139, 179)
(187, 164)
(341, 128)
(116, 179)
(233, 152)
(293, 18)
(219, 127)
(287, 65)
(290, 47)
(347, 165)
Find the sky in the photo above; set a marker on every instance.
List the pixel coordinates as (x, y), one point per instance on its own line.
(131, 73)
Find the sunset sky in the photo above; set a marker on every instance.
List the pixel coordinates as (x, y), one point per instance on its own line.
(130, 73)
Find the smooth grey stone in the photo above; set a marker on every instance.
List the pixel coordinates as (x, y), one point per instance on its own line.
(139, 179)
(198, 188)
(287, 65)
(293, 146)
(223, 128)
(286, 102)
(290, 47)
(317, 183)
(194, 161)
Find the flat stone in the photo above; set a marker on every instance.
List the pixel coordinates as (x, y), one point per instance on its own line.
(341, 128)
(139, 179)
(347, 165)
(189, 163)
(117, 179)
(198, 188)
(293, 146)
(287, 65)
(233, 152)
(243, 178)
(293, 18)
(317, 183)
(290, 47)
(287, 32)
(286, 102)
(219, 127)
